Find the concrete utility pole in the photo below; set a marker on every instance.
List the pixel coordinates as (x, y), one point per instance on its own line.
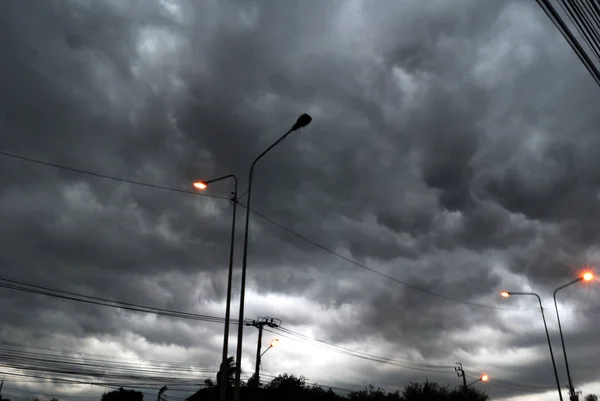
(259, 323)
(461, 373)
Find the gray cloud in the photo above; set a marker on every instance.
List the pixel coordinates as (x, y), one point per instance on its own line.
(452, 147)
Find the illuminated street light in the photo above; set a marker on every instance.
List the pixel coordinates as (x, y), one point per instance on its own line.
(301, 122)
(274, 343)
(507, 294)
(482, 378)
(203, 185)
(586, 276)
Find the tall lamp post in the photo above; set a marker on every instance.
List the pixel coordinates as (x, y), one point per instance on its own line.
(587, 276)
(507, 294)
(301, 122)
(202, 185)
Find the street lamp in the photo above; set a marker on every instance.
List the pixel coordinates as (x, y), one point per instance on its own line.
(301, 122)
(274, 343)
(507, 294)
(483, 378)
(234, 201)
(587, 276)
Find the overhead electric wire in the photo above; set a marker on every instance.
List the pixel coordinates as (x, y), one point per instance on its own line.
(360, 354)
(70, 381)
(579, 20)
(384, 275)
(290, 231)
(108, 177)
(99, 357)
(506, 383)
(54, 395)
(282, 330)
(47, 367)
(17, 359)
(558, 22)
(583, 13)
(41, 290)
(410, 365)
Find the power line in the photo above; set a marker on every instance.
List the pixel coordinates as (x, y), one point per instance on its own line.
(89, 368)
(99, 384)
(358, 264)
(570, 38)
(35, 289)
(509, 384)
(101, 357)
(427, 367)
(43, 290)
(48, 394)
(18, 358)
(365, 267)
(108, 177)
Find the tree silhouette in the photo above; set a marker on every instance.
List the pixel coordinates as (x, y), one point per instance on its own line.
(211, 392)
(370, 393)
(287, 387)
(591, 397)
(160, 393)
(295, 388)
(458, 394)
(123, 395)
(229, 370)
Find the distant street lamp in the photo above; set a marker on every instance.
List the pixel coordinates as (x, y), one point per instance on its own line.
(587, 276)
(301, 122)
(202, 185)
(507, 294)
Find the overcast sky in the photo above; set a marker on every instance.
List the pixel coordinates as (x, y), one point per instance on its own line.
(453, 147)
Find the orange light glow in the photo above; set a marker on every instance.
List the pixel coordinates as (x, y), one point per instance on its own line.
(587, 276)
(485, 378)
(275, 342)
(505, 294)
(200, 185)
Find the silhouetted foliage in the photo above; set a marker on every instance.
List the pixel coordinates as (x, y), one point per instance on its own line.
(253, 382)
(211, 392)
(591, 397)
(293, 388)
(287, 388)
(123, 395)
(370, 393)
(161, 393)
(229, 370)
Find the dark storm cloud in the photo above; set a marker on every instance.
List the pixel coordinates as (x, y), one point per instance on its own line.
(446, 150)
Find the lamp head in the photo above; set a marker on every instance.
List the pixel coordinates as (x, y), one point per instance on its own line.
(505, 294)
(200, 185)
(302, 122)
(484, 378)
(275, 342)
(587, 276)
